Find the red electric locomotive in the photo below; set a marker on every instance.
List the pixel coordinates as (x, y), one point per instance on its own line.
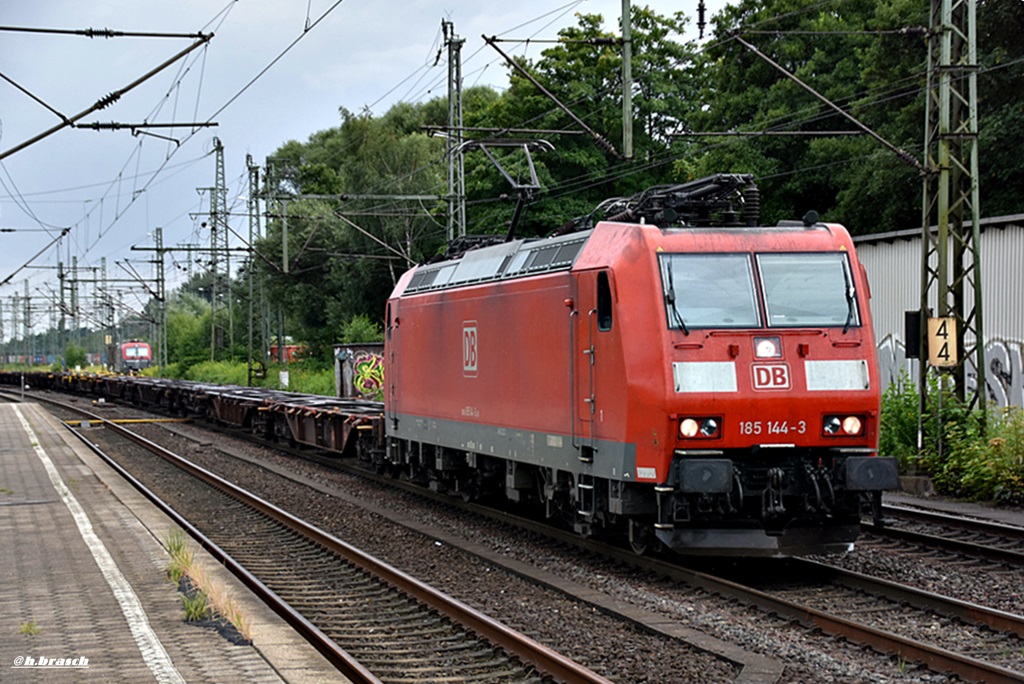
(710, 389)
(133, 356)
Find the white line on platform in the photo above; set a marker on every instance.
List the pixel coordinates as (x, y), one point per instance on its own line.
(152, 650)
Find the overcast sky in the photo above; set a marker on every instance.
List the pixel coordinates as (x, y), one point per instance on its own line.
(112, 187)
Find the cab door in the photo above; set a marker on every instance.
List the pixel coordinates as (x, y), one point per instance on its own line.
(591, 320)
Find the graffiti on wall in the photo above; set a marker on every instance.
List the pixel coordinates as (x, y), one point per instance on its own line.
(368, 375)
(1004, 376)
(359, 371)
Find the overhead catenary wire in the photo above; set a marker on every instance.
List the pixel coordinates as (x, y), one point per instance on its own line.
(625, 171)
(104, 101)
(220, 16)
(859, 104)
(116, 184)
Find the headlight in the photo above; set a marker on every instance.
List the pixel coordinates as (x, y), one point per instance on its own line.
(705, 428)
(843, 426)
(851, 425)
(767, 347)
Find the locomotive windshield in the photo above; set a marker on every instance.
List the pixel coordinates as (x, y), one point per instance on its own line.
(808, 290)
(709, 291)
(721, 290)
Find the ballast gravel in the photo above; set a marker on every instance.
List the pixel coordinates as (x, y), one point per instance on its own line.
(621, 653)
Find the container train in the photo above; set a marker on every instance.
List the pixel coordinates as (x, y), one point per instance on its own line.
(674, 375)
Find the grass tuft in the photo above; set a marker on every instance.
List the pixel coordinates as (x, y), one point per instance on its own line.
(197, 607)
(29, 628)
(204, 597)
(182, 556)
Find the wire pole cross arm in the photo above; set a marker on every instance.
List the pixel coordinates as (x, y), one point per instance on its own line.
(138, 129)
(103, 32)
(601, 141)
(107, 100)
(115, 126)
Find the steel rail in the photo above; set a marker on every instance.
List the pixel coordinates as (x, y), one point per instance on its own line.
(997, 529)
(528, 650)
(935, 657)
(966, 611)
(993, 553)
(337, 656)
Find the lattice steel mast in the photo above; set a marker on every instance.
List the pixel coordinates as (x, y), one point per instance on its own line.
(951, 255)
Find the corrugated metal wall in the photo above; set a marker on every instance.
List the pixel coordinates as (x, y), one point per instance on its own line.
(893, 263)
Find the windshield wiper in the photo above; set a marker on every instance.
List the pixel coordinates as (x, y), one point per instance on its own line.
(851, 300)
(670, 299)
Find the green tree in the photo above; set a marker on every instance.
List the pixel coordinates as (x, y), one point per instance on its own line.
(361, 329)
(1000, 82)
(345, 254)
(831, 48)
(75, 356)
(879, 78)
(584, 73)
(188, 330)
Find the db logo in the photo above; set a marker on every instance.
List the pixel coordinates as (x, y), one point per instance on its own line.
(469, 349)
(771, 376)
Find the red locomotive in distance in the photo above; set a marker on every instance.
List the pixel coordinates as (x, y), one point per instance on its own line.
(709, 388)
(133, 356)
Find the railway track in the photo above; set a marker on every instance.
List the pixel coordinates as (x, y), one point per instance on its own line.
(948, 635)
(375, 623)
(969, 536)
(968, 640)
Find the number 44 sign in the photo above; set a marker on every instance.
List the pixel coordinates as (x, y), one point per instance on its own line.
(942, 349)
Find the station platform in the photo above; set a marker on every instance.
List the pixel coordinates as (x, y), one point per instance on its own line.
(84, 595)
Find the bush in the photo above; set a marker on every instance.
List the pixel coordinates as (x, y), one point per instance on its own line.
(75, 356)
(980, 455)
(360, 330)
(306, 381)
(992, 465)
(219, 372)
(898, 425)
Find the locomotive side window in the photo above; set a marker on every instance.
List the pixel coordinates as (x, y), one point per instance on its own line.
(604, 302)
(809, 290)
(709, 291)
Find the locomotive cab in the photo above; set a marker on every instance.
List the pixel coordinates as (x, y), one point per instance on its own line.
(134, 356)
(775, 393)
